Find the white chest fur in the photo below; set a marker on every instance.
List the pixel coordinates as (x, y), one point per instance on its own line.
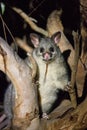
(53, 77)
(50, 82)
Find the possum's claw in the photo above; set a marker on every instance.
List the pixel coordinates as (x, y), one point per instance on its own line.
(4, 122)
(68, 87)
(2, 117)
(45, 116)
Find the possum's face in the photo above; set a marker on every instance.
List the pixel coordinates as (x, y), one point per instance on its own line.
(45, 48)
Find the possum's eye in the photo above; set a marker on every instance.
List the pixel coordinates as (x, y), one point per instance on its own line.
(41, 50)
(51, 49)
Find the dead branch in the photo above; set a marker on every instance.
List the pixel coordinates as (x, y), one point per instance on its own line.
(25, 111)
(62, 109)
(28, 20)
(82, 65)
(73, 120)
(81, 112)
(80, 78)
(72, 92)
(54, 24)
(33, 65)
(22, 44)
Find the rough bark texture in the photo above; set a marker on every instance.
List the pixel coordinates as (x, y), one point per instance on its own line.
(54, 24)
(25, 111)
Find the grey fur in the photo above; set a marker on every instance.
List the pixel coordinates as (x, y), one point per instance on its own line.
(9, 101)
(57, 73)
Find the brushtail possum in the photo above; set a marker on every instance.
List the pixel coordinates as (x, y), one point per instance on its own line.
(53, 72)
(9, 100)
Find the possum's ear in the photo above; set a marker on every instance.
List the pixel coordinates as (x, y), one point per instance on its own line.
(35, 39)
(56, 37)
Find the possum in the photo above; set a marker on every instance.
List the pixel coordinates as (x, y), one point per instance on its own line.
(9, 100)
(52, 69)
(53, 76)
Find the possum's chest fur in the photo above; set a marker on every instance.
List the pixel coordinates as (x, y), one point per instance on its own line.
(50, 82)
(52, 69)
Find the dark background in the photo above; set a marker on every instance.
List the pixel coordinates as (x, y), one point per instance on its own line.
(70, 17)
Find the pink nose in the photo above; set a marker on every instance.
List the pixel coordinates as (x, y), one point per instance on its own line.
(46, 56)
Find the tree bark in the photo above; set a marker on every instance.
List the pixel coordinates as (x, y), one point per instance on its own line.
(26, 108)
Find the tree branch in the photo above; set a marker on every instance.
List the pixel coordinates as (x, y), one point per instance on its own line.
(28, 20)
(20, 75)
(22, 44)
(54, 24)
(72, 91)
(73, 120)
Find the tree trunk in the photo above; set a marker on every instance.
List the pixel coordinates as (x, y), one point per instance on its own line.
(26, 107)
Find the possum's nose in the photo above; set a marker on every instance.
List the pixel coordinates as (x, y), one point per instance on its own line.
(47, 56)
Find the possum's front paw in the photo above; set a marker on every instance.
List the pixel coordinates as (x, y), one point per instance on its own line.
(68, 87)
(45, 116)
